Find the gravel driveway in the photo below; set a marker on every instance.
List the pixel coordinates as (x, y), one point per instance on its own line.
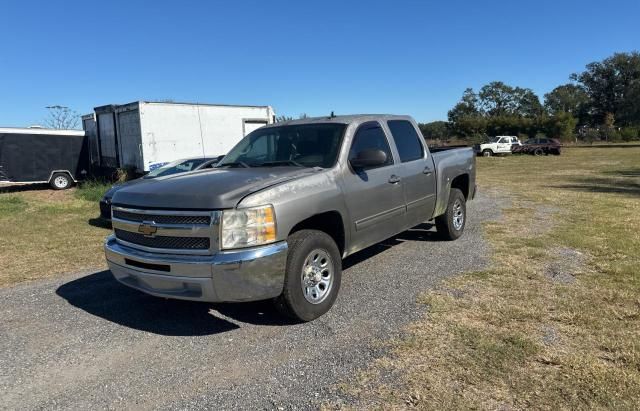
(85, 341)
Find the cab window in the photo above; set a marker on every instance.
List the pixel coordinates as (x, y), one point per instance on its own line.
(406, 139)
(370, 136)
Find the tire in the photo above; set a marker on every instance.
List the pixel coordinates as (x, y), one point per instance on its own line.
(448, 228)
(487, 153)
(538, 152)
(308, 251)
(61, 181)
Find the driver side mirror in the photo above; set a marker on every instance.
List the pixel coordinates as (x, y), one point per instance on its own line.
(368, 159)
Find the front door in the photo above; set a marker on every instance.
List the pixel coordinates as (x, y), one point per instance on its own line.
(504, 145)
(374, 196)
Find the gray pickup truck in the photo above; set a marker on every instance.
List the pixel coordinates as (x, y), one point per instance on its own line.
(278, 214)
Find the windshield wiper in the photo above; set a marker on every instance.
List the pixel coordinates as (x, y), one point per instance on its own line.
(280, 162)
(234, 164)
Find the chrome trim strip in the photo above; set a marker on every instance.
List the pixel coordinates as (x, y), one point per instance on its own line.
(376, 218)
(419, 202)
(165, 212)
(177, 230)
(163, 250)
(212, 231)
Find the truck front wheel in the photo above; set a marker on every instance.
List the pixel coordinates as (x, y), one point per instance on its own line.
(450, 225)
(312, 277)
(487, 153)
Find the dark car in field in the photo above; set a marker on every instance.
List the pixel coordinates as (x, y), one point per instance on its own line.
(175, 167)
(538, 146)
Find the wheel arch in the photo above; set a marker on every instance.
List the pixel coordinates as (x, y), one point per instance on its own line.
(329, 222)
(461, 182)
(54, 172)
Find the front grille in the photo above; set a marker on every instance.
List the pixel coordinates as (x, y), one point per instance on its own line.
(170, 243)
(163, 219)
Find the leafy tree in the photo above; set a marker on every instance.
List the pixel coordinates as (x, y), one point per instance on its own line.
(613, 86)
(473, 127)
(500, 99)
(467, 107)
(527, 103)
(561, 125)
(435, 130)
(567, 98)
(497, 99)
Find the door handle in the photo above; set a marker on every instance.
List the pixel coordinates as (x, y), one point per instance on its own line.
(426, 171)
(394, 179)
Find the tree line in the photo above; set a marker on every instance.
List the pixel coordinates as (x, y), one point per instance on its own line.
(600, 103)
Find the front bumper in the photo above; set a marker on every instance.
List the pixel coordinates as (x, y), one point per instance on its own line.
(228, 276)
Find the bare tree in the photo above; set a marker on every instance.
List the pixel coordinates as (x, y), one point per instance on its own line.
(283, 118)
(62, 118)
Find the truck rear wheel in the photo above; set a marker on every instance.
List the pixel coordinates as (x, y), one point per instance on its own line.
(450, 225)
(312, 277)
(61, 181)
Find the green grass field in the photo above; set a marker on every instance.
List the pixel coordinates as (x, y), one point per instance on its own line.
(554, 323)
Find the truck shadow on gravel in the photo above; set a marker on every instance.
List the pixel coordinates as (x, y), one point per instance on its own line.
(421, 232)
(101, 295)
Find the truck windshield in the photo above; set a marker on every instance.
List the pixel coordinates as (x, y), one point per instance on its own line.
(493, 139)
(303, 145)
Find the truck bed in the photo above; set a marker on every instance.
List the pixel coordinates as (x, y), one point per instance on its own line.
(445, 148)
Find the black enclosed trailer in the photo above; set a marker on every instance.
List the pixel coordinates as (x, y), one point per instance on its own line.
(35, 155)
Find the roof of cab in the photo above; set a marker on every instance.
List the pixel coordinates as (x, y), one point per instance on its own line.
(346, 119)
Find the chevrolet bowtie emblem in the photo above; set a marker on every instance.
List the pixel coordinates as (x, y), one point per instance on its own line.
(147, 229)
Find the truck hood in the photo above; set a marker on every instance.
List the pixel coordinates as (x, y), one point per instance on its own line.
(205, 189)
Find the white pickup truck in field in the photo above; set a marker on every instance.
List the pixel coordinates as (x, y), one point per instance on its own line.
(497, 145)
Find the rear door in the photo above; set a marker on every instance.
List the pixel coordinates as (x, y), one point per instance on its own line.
(416, 171)
(374, 196)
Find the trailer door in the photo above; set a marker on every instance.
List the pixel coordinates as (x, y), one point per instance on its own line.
(107, 137)
(89, 127)
(253, 124)
(130, 140)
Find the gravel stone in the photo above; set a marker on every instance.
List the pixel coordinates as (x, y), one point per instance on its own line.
(86, 342)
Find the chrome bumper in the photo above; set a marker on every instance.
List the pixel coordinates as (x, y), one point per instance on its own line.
(228, 276)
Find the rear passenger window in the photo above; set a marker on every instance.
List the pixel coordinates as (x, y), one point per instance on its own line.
(407, 140)
(370, 136)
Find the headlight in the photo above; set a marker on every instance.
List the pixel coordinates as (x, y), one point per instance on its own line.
(248, 227)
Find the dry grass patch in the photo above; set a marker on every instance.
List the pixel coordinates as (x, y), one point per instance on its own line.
(554, 322)
(44, 233)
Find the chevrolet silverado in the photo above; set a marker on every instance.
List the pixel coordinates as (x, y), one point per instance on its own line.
(276, 216)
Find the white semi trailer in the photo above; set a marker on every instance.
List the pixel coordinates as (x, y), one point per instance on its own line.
(144, 135)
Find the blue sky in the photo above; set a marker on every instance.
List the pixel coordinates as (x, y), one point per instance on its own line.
(403, 57)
